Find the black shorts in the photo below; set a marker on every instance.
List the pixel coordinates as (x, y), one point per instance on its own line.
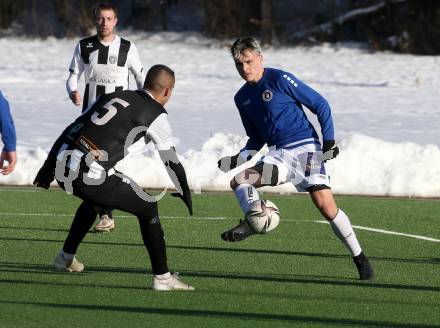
(117, 191)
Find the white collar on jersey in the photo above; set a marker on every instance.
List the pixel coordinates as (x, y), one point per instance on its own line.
(148, 93)
(106, 44)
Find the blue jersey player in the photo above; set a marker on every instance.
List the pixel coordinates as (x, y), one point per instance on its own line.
(7, 131)
(271, 105)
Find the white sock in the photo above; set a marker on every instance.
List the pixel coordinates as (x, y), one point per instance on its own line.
(163, 276)
(343, 230)
(67, 256)
(246, 195)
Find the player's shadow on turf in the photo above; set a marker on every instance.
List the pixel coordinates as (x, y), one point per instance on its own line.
(253, 251)
(18, 267)
(282, 278)
(34, 229)
(70, 284)
(236, 250)
(30, 268)
(91, 242)
(307, 254)
(308, 279)
(239, 315)
(403, 260)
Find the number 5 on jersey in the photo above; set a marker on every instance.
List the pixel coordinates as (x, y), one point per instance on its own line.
(100, 118)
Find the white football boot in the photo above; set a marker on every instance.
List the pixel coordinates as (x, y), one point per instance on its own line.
(105, 224)
(61, 264)
(171, 283)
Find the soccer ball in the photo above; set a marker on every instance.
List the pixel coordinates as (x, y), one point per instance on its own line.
(263, 216)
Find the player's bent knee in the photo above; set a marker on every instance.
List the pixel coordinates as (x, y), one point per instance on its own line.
(329, 212)
(248, 176)
(269, 174)
(239, 179)
(147, 211)
(150, 216)
(328, 209)
(324, 201)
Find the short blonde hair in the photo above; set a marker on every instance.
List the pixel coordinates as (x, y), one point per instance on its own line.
(245, 43)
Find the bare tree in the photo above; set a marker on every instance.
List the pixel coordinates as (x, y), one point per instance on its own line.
(230, 18)
(266, 22)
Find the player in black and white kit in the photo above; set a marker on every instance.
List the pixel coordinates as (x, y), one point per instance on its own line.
(105, 59)
(82, 161)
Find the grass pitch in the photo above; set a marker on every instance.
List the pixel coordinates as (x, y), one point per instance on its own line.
(298, 275)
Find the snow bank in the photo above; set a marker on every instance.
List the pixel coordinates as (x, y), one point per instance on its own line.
(366, 166)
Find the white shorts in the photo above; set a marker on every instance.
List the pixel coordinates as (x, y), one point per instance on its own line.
(302, 166)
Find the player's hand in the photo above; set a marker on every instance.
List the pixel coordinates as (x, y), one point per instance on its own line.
(11, 158)
(186, 198)
(228, 163)
(45, 176)
(75, 97)
(329, 150)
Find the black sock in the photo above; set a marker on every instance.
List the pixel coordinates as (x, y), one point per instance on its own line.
(153, 237)
(82, 222)
(359, 258)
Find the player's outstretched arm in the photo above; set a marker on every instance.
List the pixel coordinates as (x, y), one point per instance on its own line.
(178, 176)
(46, 174)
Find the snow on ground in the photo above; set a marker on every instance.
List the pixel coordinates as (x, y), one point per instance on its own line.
(385, 108)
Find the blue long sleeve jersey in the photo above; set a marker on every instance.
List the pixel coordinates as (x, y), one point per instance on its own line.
(271, 111)
(7, 128)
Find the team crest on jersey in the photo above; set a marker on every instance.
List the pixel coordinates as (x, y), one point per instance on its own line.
(267, 95)
(112, 59)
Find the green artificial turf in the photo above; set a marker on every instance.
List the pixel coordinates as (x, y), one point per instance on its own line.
(297, 275)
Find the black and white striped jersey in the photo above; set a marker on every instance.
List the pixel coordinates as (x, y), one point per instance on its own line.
(105, 66)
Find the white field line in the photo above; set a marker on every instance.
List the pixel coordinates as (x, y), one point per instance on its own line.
(128, 216)
(387, 232)
(121, 216)
(20, 190)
